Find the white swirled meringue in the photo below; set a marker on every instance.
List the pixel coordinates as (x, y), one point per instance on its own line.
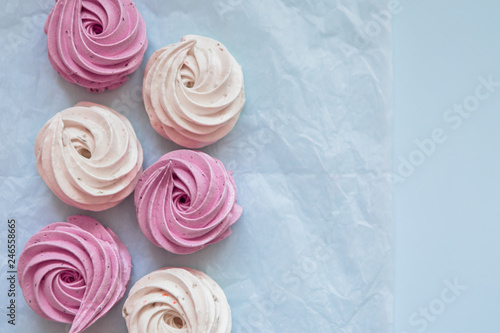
(177, 300)
(89, 156)
(193, 91)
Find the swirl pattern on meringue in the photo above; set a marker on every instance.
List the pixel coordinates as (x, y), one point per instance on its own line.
(177, 300)
(193, 91)
(74, 271)
(95, 43)
(89, 156)
(186, 201)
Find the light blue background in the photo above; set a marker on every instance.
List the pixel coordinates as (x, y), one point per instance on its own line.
(447, 213)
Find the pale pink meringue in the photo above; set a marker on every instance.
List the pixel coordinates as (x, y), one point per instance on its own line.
(177, 300)
(193, 91)
(89, 156)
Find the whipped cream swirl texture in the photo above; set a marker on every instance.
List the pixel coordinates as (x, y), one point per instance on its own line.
(177, 300)
(185, 201)
(193, 91)
(95, 43)
(74, 272)
(89, 156)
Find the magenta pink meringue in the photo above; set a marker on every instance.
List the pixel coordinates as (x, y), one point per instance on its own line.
(185, 201)
(95, 43)
(74, 272)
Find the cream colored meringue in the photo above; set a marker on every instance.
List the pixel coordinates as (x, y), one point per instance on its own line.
(89, 156)
(177, 300)
(193, 91)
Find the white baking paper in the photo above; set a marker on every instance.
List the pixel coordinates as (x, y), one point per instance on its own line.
(310, 153)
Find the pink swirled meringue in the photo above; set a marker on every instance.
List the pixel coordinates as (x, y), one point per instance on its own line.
(185, 201)
(177, 300)
(95, 43)
(74, 272)
(89, 156)
(193, 91)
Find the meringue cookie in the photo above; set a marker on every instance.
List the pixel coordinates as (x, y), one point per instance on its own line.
(185, 201)
(95, 43)
(89, 156)
(74, 272)
(193, 91)
(177, 300)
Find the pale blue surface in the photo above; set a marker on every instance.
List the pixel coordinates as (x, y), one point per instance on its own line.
(310, 154)
(447, 213)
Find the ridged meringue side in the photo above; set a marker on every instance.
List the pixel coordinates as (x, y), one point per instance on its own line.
(74, 272)
(95, 43)
(177, 300)
(89, 156)
(185, 201)
(193, 91)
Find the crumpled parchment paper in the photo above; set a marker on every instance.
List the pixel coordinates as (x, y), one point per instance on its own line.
(311, 158)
